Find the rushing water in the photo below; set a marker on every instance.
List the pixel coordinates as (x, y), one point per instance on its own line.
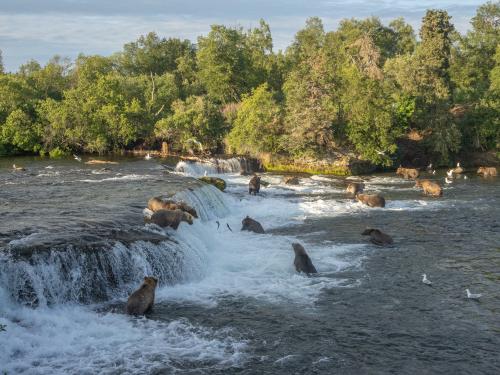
(73, 245)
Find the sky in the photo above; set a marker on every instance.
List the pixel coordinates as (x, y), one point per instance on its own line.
(40, 29)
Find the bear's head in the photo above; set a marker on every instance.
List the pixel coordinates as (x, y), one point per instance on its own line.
(298, 249)
(151, 281)
(188, 218)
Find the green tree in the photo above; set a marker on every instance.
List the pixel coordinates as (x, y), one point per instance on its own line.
(404, 36)
(196, 123)
(2, 69)
(151, 54)
(257, 127)
(20, 132)
(224, 64)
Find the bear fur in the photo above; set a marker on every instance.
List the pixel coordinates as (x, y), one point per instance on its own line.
(251, 225)
(141, 301)
(254, 185)
(156, 204)
(302, 262)
(170, 218)
(430, 187)
(408, 173)
(354, 188)
(371, 200)
(291, 180)
(378, 237)
(487, 171)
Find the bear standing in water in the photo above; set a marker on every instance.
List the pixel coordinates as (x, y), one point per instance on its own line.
(142, 300)
(302, 261)
(156, 204)
(167, 218)
(371, 200)
(354, 188)
(254, 185)
(377, 237)
(252, 225)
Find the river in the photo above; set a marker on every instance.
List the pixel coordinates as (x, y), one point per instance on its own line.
(73, 245)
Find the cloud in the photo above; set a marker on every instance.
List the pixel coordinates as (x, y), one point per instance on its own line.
(39, 29)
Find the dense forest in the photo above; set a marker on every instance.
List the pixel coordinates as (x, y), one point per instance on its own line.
(359, 88)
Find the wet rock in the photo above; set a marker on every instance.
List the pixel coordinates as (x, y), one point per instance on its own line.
(219, 183)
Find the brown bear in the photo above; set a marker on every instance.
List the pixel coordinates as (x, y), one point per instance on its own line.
(156, 203)
(408, 173)
(378, 237)
(354, 188)
(430, 187)
(254, 185)
(458, 169)
(251, 225)
(142, 300)
(291, 180)
(487, 171)
(302, 261)
(168, 218)
(371, 200)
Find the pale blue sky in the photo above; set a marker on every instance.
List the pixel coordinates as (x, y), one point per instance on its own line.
(41, 28)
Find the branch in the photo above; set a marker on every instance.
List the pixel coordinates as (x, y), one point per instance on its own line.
(161, 109)
(153, 89)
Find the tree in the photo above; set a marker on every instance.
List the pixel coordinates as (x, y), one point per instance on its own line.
(2, 69)
(224, 64)
(404, 35)
(310, 107)
(151, 54)
(20, 132)
(195, 121)
(257, 127)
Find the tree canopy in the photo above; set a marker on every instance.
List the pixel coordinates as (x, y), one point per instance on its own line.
(360, 88)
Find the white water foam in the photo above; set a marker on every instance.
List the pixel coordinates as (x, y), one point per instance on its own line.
(77, 340)
(125, 178)
(210, 167)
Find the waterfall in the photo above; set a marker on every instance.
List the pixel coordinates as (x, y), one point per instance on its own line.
(218, 166)
(86, 274)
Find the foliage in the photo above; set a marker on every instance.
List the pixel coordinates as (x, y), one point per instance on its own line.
(356, 89)
(195, 124)
(257, 127)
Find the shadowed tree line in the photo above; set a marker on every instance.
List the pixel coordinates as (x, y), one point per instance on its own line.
(359, 88)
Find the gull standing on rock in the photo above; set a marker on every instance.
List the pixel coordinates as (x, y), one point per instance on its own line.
(425, 280)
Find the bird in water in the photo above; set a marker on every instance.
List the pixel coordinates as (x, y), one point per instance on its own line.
(205, 174)
(77, 158)
(433, 171)
(425, 280)
(148, 156)
(229, 227)
(465, 177)
(429, 167)
(472, 295)
(16, 168)
(450, 173)
(447, 180)
(218, 224)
